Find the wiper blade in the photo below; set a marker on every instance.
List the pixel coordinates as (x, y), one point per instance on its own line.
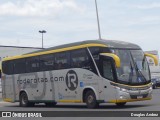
(131, 74)
(139, 71)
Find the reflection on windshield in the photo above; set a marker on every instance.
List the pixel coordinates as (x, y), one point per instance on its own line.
(134, 67)
(124, 71)
(141, 63)
(107, 70)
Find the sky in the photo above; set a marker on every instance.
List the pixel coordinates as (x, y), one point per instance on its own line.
(67, 21)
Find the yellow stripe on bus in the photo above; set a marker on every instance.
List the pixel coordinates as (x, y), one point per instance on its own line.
(129, 100)
(70, 101)
(7, 100)
(55, 51)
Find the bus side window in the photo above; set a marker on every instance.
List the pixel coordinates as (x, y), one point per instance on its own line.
(95, 53)
(61, 61)
(46, 62)
(32, 64)
(7, 67)
(78, 58)
(107, 70)
(81, 59)
(19, 66)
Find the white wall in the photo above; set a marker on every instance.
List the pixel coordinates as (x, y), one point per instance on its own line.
(12, 51)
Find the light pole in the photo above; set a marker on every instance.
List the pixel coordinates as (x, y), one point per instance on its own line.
(42, 31)
(99, 31)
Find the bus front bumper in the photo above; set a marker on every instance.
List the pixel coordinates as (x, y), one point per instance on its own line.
(124, 95)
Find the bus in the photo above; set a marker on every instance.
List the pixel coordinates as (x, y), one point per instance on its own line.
(91, 72)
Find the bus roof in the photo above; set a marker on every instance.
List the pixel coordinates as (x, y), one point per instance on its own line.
(107, 43)
(77, 45)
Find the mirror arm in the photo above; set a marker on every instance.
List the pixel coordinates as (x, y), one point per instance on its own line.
(152, 56)
(115, 58)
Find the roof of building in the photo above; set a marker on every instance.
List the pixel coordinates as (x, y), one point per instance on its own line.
(20, 47)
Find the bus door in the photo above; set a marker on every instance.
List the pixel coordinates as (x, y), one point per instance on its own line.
(108, 74)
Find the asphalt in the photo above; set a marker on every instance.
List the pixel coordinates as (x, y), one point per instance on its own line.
(151, 105)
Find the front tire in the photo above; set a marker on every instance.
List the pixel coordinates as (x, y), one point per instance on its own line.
(90, 100)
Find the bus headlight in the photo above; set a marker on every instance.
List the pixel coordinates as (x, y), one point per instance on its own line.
(123, 90)
(150, 88)
(121, 97)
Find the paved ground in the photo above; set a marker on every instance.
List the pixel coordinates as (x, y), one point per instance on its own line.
(151, 105)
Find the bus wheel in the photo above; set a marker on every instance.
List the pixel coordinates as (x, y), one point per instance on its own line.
(121, 104)
(50, 104)
(24, 100)
(90, 100)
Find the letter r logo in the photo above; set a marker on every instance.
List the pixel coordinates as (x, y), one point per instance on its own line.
(71, 80)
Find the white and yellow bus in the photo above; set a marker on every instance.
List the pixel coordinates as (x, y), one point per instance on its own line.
(91, 72)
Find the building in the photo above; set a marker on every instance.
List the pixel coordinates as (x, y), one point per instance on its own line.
(151, 63)
(8, 51)
(155, 70)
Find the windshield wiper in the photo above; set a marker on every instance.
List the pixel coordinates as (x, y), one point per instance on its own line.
(139, 73)
(131, 74)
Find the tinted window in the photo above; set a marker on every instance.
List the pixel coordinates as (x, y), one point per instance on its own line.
(105, 50)
(32, 64)
(19, 66)
(7, 67)
(46, 62)
(107, 70)
(95, 52)
(61, 60)
(81, 59)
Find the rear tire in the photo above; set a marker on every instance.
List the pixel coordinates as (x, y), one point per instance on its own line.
(90, 100)
(121, 104)
(24, 100)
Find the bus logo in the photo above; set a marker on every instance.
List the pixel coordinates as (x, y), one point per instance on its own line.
(71, 80)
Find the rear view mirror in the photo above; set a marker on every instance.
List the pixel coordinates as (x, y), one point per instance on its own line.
(114, 57)
(152, 56)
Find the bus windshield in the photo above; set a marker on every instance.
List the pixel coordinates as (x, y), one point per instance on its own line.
(134, 67)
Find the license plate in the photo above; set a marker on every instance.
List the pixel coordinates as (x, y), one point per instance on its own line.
(138, 97)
